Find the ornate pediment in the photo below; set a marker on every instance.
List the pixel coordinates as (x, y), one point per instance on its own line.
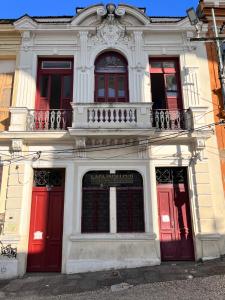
(25, 23)
(96, 14)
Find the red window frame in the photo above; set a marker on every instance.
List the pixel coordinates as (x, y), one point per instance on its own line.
(106, 98)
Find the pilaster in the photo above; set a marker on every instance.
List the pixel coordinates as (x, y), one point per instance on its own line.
(206, 229)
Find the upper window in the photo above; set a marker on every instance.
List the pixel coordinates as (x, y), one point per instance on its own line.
(165, 83)
(111, 78)
(102, 191)
(111, 63)
(56, 64)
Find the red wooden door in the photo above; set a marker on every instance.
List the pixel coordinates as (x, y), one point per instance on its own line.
(46, 225)
(176, 240)
(54, 84)
(165, 83)
(111, 87)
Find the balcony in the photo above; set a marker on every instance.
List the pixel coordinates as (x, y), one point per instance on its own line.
(112, 115)
(105, 116)
(127, 116)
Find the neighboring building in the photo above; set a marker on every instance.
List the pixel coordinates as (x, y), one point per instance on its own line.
(204, 8)
(112, 161)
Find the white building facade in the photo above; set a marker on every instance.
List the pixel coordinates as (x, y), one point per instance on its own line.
(111, 156)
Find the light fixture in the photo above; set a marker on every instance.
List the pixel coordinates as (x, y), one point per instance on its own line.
(192, 16)
(111, 8)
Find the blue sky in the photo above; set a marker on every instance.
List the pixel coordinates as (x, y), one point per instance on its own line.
(17, 8)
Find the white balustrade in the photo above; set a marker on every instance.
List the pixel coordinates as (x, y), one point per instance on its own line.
(112, 115)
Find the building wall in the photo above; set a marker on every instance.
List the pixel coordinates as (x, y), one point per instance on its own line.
(192, 150)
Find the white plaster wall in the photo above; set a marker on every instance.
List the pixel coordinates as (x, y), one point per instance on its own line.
(90, 252)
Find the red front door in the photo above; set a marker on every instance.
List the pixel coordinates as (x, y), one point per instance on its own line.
(176, 240)
(46, 225)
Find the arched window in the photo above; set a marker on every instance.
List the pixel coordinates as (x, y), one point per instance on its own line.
(111, 78)
(102, 191)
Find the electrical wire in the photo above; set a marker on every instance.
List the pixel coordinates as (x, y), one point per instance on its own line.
(148, 142)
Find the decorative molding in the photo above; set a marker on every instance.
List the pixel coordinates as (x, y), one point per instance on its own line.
(25, 23)
(80, 145)
(110, 34)
(186, 41)
(27, 40)
(17, 147)
(143, 149)
(198, 151)
(101, 11)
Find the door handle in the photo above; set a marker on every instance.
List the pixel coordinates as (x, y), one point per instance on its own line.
(47, 237)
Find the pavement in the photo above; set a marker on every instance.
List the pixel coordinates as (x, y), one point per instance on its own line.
(178, 280)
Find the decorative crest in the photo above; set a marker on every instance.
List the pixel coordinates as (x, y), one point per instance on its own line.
(110, 12)
(111, 31)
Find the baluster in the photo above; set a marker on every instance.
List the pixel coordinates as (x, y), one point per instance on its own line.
(114, 115)
(30, 120)
(46, 120)
(135, 115)
(52, 119)
(119, 114)
(157, 119)
(101, 116)
(58, 119)
(93, 115)
(167, 117)
(162, 119)
(64, 119)
(124, 115)
(88, 115)
(130, 116)
(172, 119)
(107, 115)
(39, 119)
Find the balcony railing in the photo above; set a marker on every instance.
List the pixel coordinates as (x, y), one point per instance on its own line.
(173, 119)
(112, 116)
(128, 115)
(108, 116)
(53, 119)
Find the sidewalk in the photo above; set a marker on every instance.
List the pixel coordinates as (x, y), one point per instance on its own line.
(42, 285)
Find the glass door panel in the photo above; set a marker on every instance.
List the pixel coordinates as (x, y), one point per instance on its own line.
(171, 91)
(101, 86)
(44, 92)
(121, 87)
(111, 86)
(66, 92)
(55, 91)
